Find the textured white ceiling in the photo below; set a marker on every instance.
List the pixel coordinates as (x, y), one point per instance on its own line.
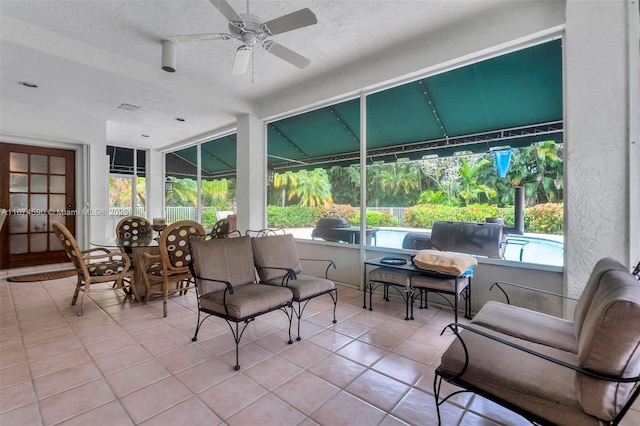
(90, 56)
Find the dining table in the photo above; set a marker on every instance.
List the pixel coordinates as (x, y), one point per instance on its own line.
(135, 249)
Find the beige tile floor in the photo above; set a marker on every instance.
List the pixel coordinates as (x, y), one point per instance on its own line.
(122, 363)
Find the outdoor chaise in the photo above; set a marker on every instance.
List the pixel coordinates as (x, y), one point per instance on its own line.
(551, 370)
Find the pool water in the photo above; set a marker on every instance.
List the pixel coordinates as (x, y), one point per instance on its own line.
(525, 248)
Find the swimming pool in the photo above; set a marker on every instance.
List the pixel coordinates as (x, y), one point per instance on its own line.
(525, 248)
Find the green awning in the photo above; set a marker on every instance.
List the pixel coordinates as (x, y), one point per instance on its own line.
(514, 99)
(218, 158)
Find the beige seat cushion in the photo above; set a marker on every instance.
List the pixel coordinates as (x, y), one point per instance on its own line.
(602, 266)
(275, 251)
(305, 286)
(610, 343)
(247, 300)
(99, 269)
(527, 381)
(529, 325)
(392, 276)
(439, 284)
(223, 259)
(445, 263)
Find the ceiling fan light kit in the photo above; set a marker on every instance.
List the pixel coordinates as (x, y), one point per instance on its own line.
(241, 61)
(249, 29)
(168, 56)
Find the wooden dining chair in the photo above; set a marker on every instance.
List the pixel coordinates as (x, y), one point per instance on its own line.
(168, 272)
(97, 265)
(134, 228)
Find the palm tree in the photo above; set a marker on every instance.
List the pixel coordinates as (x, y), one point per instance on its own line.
(399, 178)
(540, 169)
(312, 188)
(433, 197)
(345, 184)
(284, 180)
(184, 193)
(214, 193)
(470, 189)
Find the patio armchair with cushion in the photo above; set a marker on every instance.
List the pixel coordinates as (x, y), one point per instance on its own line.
(226, 286)
(278, 264)
(552, 370)
(168, 272)
(97, 265)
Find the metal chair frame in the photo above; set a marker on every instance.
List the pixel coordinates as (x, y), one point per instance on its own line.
(457, 380)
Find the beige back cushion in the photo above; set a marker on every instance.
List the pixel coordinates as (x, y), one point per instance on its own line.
(225, 259)
(275, 251)
(609, 343)
(602, 266)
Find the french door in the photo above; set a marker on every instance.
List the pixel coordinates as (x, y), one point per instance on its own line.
(37, 189)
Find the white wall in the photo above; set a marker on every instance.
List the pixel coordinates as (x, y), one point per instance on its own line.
(22, 124)
(596, 138)
(488, 271)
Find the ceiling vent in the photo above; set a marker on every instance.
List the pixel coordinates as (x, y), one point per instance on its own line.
(129, 107)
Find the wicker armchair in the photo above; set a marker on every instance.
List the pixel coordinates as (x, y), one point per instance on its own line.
(168, 272)
(134, 228)
(93, 266)
(132, 231)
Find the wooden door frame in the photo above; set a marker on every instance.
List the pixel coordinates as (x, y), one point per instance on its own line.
(77, 222)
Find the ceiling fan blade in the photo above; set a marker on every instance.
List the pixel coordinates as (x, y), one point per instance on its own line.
(285, 53)
(292, 21)
(241, 61)
(228, 12)
(200, 37)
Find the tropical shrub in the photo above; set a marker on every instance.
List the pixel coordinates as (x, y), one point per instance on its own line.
(508, 213)
(290, 217)
(376, 218)
(424, 215)
(345, 211)
(547, 218)
(209, 218)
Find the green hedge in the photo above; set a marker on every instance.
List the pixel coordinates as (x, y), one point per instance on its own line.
(543, 218)
(375, 218)
(290, 217)
(424, 215)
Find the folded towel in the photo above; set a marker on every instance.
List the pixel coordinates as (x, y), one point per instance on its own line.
(444, 262)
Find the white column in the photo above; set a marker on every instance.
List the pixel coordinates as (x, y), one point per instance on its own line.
(96, 208)
(251, 166)
(155, 184)
(597, 152)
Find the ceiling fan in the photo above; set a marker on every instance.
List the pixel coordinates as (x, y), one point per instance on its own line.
(251, 30)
